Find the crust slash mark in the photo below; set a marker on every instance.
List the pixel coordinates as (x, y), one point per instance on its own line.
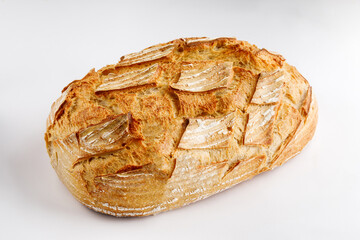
(209, 133)
(260, 126)
(204, 76)
(110, 135)
(146, 76)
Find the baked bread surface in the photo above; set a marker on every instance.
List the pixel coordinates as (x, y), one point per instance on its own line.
(177, 122)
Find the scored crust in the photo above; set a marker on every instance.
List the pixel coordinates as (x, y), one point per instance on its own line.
(176, 123)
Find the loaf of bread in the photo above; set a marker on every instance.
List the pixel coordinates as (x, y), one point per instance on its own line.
(176, 123)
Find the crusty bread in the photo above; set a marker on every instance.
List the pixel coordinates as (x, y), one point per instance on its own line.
(177, 122)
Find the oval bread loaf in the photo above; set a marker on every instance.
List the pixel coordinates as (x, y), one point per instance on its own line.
(177, 122)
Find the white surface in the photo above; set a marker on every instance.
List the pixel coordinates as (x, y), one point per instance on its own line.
(44, 45)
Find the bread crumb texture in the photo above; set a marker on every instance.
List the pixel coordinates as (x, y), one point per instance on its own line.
(177, 122)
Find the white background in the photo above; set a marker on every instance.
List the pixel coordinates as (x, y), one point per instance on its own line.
(44, 45)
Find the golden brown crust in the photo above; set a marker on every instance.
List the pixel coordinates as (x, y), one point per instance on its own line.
(177, 122)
